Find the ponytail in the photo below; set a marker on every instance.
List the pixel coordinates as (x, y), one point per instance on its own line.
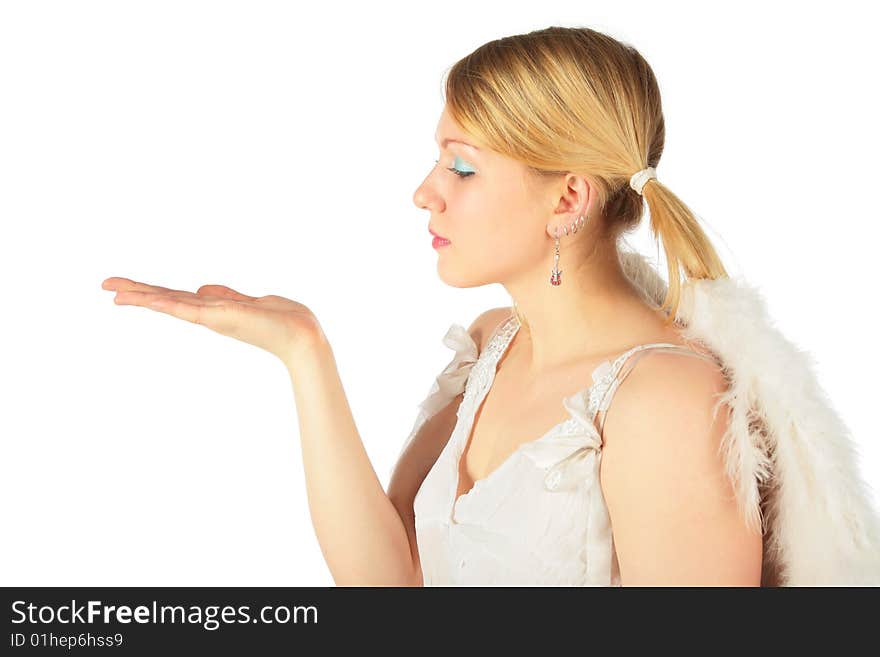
(689, 253)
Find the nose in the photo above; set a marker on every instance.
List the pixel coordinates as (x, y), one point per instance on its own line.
(425, 197)
(420, 198)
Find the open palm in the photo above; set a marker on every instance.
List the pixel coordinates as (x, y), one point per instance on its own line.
(280, 326)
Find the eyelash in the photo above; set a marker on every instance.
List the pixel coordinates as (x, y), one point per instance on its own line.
(460, 174)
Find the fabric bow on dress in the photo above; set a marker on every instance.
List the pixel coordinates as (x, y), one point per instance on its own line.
(570, 452)
(451, 381)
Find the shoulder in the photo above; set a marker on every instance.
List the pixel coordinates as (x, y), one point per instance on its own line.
(664, 409)
(485, 324)
(669, 388)
(665, 480)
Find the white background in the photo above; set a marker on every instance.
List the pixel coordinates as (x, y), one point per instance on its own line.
(275, 148)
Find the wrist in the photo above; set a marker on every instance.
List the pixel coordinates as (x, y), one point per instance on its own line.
(308, 350)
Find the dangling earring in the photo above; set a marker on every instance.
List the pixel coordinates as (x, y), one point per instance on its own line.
(556, 273)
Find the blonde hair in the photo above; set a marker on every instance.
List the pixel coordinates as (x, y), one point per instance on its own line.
(564, 100)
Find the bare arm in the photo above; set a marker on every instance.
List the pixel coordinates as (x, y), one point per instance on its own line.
(367, 537)
(672, 507)
(360, 532)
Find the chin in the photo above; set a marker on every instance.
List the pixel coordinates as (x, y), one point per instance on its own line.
(461, 278)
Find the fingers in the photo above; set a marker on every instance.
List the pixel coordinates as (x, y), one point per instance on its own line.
(223, 292)
(136, 298)
(120, 285)
(126, 285)
(191, 309)
(179, 308)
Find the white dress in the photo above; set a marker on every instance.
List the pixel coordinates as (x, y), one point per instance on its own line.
(540, 518)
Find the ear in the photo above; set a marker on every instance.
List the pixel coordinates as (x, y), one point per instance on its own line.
(576, 199)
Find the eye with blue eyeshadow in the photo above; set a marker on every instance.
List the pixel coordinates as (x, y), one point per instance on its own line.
(468, 169)
(465, 169)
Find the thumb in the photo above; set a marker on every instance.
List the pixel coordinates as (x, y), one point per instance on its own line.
(223, 291)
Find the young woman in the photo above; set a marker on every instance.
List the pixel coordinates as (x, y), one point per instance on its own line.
(714, 470)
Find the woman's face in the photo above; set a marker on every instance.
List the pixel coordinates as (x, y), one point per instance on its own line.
(489, 208)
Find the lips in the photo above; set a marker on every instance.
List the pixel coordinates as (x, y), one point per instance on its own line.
(435, 234)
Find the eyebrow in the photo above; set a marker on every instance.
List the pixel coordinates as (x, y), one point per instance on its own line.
(456, 141)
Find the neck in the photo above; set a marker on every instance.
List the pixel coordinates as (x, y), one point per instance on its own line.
(596, 311)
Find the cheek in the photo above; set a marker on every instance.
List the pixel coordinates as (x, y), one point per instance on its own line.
(490, 224)
(507, 228)
(506, 250)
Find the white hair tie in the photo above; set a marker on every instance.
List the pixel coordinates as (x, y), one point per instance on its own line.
(639, 178)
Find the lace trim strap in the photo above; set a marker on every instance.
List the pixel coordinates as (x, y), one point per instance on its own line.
(625, 363)
(501, 334)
